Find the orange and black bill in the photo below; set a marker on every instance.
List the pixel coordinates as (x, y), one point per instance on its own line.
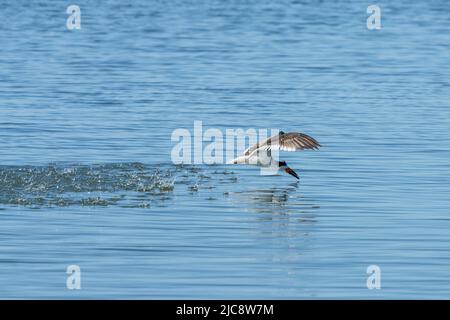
(292, 172)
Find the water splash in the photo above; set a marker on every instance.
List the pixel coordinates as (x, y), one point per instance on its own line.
(134, 184)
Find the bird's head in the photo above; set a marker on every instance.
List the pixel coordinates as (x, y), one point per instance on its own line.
(283, 165)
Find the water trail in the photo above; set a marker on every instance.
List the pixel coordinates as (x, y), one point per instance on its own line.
(127, 184)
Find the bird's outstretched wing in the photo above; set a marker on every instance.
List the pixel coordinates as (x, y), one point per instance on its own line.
(291, 141)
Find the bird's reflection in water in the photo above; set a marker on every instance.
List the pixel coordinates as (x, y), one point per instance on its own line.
(278, 203)
(284, 220)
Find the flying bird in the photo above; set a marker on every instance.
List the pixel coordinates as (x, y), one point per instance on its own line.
(260, 154)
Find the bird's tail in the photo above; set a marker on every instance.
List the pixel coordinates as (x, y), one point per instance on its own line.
(238, 160)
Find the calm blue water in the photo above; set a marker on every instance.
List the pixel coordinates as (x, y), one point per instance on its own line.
(86, 177)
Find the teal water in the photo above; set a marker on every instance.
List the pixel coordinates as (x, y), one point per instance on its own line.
(86, 177)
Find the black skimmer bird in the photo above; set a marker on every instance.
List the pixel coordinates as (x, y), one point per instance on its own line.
(260, 153)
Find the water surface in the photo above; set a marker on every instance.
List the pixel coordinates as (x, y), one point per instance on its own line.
(86, 177)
